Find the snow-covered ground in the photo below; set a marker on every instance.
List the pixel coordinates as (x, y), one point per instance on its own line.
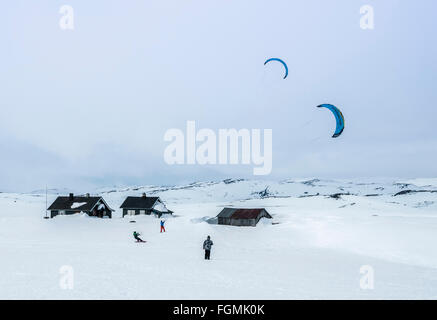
(323, 232)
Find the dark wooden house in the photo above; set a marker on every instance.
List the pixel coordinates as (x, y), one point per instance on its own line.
(93, 206)
(242, 217)
(144, 205)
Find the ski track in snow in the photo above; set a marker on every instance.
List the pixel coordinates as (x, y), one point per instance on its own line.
(323, 232)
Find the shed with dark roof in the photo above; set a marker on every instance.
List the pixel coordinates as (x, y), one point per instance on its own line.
(144, 205)
(241, 216)
(93, 206)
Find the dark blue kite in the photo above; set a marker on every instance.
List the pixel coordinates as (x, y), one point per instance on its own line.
(338, 118)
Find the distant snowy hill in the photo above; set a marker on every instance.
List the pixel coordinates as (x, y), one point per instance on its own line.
(324, 231)
(232, 190)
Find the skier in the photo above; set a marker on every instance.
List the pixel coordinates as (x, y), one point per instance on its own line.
(207, 247)
(136, 236)
(162, 225)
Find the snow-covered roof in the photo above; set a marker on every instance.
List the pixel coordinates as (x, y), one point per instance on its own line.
(159, 206)
(139, 202)
(77, 203)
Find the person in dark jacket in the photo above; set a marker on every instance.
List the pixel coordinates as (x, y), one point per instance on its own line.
(207, 244)
(136, 236)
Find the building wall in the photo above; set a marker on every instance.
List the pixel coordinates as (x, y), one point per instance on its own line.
(54, 213)
(137, 211)
(242, 222)
(109, 213)
(106, 212)
(237, 222)
(224, 221)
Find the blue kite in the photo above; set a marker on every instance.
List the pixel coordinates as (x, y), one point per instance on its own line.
(338, 118)
(279, 60)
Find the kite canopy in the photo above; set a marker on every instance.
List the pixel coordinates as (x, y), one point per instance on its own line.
(279, 60)
(338, 117)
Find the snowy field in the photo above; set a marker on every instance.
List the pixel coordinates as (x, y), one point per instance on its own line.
(323, 232)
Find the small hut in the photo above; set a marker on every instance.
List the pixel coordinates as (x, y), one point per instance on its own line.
(242, 217)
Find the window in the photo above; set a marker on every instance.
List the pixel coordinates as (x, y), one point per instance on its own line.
(142, 211)
(131, 212)
(61, 212)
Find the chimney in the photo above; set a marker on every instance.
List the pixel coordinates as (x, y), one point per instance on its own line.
(71, 196)
(144, 195)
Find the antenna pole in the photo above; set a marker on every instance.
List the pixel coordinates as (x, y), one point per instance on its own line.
(46, 217)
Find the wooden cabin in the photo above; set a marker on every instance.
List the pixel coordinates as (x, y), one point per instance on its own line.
(93, 206)
(144, 205)
(242, 217)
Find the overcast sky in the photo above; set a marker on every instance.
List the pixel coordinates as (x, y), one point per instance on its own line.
(90, 106)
